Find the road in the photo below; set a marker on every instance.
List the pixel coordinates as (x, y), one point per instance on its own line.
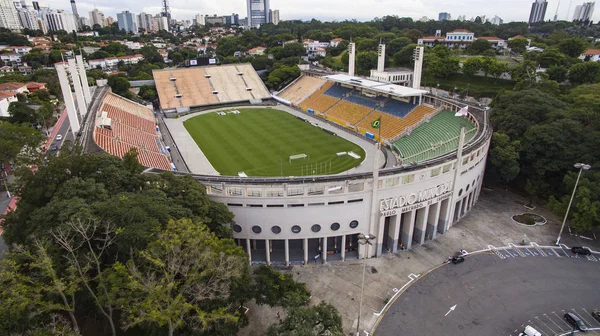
(495, 296)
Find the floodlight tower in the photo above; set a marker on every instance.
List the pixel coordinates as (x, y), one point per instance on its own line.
(418, 56)
(351, 58)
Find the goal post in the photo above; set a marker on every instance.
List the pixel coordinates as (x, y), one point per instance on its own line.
(297, 156)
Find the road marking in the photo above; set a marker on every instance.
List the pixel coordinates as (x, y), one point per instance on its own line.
(591, 258)
(547, 327)
(581, 317)
(514, 247)
(537, 247)
(593, 319)
(563, 321)
(451, 309)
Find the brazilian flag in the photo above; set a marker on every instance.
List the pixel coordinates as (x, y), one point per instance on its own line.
(376, 123)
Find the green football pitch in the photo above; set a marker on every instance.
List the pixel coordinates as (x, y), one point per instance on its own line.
(259, 142)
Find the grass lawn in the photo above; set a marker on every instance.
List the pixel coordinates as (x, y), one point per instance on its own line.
(259, 142)
(478, 85)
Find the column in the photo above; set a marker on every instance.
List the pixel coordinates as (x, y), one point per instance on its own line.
(408, 228)
(83, 78)
(249, 251)
(361, 251)
(287, 252)
(268, 251)
(397, 220)
(379, 236)
(305, 248)
(81, 104)
(420, 224)
(445, 214)
(343, 248)
(68, 98)
(432, 220)
(324, 250)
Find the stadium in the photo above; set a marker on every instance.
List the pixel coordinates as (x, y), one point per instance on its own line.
(307, 169)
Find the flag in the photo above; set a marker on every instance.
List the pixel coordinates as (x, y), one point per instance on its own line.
(462, 112)
(376, 123)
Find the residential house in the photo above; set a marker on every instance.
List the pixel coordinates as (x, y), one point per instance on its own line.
(496, 42)
(25, 69)
(256, 51)
(13, 87)
(11, 59)
(6, 69)
(591, 55)
(35, 86)
(5, 99)
(460, 38)
(335, 41)
(21, 50)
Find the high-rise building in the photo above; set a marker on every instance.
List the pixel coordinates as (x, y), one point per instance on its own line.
(58, 20)
(127, 21)
(538, 11)
(110, 20)
(145, 22)
(258, 12)
(584, 12)
(274, 16)
(9, 18)
(29, 18)
(97, 18)
(235, 19)
(161, 22)
(496, 20)
(74, 9)
(443, 16)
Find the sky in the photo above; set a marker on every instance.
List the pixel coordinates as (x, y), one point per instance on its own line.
(328, 10)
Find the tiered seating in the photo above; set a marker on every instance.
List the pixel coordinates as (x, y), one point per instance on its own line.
(129, 106)
(348, 112)
(434, 138)
(121, 116)
(259, 90)
(132, 126)
(364, 100)
(194, 87)
(228, 83)
(392, 126)
(319, 101)
(337, 91)
(397, 107)
(303, 87)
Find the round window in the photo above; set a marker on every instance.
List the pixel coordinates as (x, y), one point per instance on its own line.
(256, 229)
(276, 229)
(354, 224)
(237, 228)
(335, 226)
(296, 229)
(316, 228)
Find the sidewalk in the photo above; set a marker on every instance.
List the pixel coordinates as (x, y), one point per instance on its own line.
(339, 283)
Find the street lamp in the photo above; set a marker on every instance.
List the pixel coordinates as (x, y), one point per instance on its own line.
(363, 240)
(581, 167)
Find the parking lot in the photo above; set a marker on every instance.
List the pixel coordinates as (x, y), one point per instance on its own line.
(553, 323)
(535, 250)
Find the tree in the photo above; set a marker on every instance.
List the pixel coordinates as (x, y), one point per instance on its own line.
(18, 140)
(471, 66)
(558, 73)
(181, 280)
(572, 47)
(479, 46)
(552, 57)
(396, 45)
(20, 113)
(518, 45)
(585, 211)
(147, 92)
(504, 157)
(497, 69)
(365, 61)
(439, 62)
(585, 73)
(405, 56)
(322, 319)
(120, 85)
(276, 289)
(176, 57)
(281, 75)
(293, 49)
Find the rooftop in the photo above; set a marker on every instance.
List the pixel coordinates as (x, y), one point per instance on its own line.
(592, 52)
(393, 89)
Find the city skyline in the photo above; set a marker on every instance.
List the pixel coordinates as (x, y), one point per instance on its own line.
(508, 10)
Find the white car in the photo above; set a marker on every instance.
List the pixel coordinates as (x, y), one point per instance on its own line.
(59, 137)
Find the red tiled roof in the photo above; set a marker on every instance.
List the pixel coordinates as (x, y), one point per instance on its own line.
(11, 86)
(461, 31)
(518, 37)
(34, 85)
(489, 38)
(590, 52)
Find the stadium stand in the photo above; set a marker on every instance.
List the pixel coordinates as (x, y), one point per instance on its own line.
(392, 126)
(195, 85)
(348, 112)
(396, 107)
(132, 126)
(337, 91)
(369, 102)
(301, 89)
(318, 101)
(436, 137)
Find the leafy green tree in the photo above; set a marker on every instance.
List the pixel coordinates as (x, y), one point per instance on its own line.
(585, 73)
(365, 61)
(479, 46)
(176, 57)
(396, 45)
(322, 319)
(147, 92)
(293, 49)
(558, 73)
(572, 47)
(18, 140)
(439, 62)
(504, 157)
(120, 85)
(405, 56)
(21, 113)
(181, 280)
(281, 75)
(518, 45)
(552, 57)
(585, 211)
(471, 66)
(276, 289)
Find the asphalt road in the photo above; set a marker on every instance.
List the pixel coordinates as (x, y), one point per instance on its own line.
(494, 296)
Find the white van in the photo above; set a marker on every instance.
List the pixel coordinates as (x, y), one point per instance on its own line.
(530, 331)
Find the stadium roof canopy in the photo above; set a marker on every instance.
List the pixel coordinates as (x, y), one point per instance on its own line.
(385, 88)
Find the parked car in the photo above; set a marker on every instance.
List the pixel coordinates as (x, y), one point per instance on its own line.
(59, 137)
(580, 250)
(596, 315)
(53, 148)
(530, 331)
(575, 321)
(457, 260)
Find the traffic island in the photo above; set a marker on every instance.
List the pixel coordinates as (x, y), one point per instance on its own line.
(529, 219)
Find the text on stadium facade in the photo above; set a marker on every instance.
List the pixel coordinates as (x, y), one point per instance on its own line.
(412, 198)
